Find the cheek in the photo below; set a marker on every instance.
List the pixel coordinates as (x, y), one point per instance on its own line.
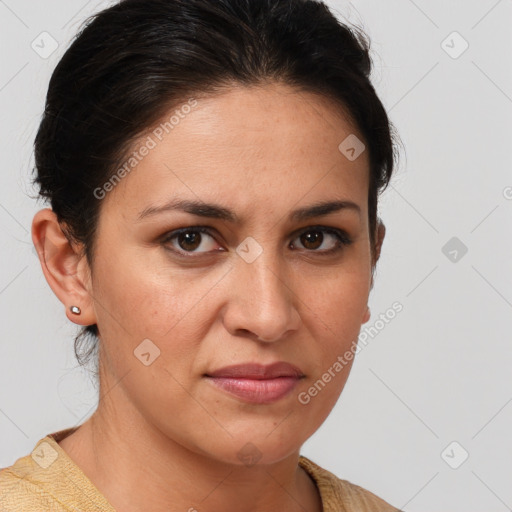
(145, 300)
(334, 319)
(173, 308)
(339, 303)
(136, 304)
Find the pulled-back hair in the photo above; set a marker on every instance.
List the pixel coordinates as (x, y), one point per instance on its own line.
(132, 62)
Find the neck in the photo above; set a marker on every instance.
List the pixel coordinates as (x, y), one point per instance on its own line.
(136, 467)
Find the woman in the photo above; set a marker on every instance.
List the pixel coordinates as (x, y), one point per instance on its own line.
(213, 169)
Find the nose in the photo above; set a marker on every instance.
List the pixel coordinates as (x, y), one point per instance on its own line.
(261, 301)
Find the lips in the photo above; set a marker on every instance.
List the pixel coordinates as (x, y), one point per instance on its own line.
(257, 371)
(255, 383)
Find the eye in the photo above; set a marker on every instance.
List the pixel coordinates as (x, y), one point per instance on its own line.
(187, 240)
(314, 237)
(318, 239)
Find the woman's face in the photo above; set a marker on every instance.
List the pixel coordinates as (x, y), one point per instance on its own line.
(263, 287)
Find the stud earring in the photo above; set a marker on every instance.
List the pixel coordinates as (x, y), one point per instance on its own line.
(75, 310)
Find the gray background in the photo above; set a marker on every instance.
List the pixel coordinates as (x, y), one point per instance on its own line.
(439, 372)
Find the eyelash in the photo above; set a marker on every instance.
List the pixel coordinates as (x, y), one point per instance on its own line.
(342, 236)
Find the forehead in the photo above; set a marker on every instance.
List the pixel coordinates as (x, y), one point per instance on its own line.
(250, 145)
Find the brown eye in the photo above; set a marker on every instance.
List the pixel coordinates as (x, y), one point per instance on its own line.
(188, 240)
(312, 239)
(331, 239)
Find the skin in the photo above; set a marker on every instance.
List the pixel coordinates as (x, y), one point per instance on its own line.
(261, 152)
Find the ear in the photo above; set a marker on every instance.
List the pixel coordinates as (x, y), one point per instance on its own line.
(381, 233)
(366, 316)
(65, 269)
(379, 239)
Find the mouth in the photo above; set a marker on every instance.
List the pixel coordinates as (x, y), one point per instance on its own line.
(256, 383)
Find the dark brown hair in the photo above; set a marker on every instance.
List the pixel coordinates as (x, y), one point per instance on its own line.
(131, 62)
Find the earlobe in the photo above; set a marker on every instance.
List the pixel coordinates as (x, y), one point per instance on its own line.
(60, 262)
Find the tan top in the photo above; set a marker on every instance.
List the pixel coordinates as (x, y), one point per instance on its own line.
(48, 480)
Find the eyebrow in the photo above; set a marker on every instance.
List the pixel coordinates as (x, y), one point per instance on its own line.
(215, 211)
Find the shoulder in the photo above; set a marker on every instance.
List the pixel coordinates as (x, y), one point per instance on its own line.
(48, 479)
(335, 492)
(19, 489)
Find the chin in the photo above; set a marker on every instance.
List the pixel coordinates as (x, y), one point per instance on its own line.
(243, 450)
